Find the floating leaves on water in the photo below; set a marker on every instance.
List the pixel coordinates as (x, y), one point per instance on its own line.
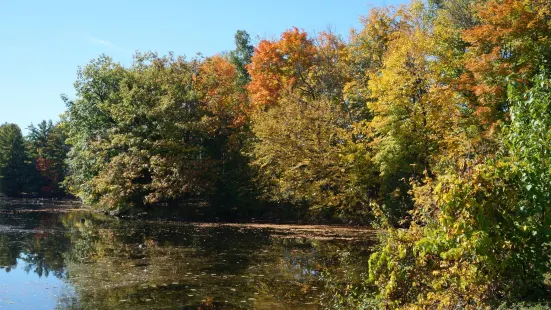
(115, 271)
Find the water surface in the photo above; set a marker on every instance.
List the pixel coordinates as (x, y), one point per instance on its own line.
(55, 256)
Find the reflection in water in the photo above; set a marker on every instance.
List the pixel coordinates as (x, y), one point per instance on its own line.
(92, 261)
(20, 288)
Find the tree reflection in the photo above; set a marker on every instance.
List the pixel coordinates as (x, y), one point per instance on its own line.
(112, 263)
(139, 265)
(39, 242)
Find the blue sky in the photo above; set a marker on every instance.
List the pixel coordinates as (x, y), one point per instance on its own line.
(43, 42)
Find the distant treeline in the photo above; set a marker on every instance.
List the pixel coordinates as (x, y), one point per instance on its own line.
(434, 117)
(35, 164)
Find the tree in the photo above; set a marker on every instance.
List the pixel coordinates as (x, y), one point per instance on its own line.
(146, 144)
(304, 128)
(12, 160)
(48, 151)
(224, 104)
(299, 155)
(222, 99)
(365, 51)
(38, 136)
(241, 56)
(87, 122)
(511, 39)
(280, 65)
(411, 114)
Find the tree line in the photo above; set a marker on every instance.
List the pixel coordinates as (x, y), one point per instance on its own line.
(433, 118)
(33, 164)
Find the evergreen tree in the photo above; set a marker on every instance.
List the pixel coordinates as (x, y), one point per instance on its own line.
(12, 160)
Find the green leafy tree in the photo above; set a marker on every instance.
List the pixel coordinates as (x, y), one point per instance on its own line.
(12, 160)
(241, 56)
(47, 149)
(146, 143)
(87, 121)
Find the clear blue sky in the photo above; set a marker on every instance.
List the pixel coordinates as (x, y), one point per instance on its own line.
(43, 42)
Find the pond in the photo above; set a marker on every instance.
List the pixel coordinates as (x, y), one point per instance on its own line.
(55, 255)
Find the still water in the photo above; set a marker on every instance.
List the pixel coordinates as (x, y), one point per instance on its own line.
(56, 256)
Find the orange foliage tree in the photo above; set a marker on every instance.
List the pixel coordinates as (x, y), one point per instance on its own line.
(278, 65)
(224, 105)
(511, 40)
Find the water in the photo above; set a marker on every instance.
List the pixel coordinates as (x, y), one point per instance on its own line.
(55, 257)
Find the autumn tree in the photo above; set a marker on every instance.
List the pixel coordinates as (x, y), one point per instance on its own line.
(305, 130)
(280, 65)
(365, 51)
(300, 155)
(478, 235)
(411, 114)
(487, 243)
(510, 40)
(224, 104)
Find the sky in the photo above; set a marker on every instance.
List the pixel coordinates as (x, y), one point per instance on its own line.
(42, 43)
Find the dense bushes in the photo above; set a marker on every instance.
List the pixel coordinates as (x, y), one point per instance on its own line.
(489, 238)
